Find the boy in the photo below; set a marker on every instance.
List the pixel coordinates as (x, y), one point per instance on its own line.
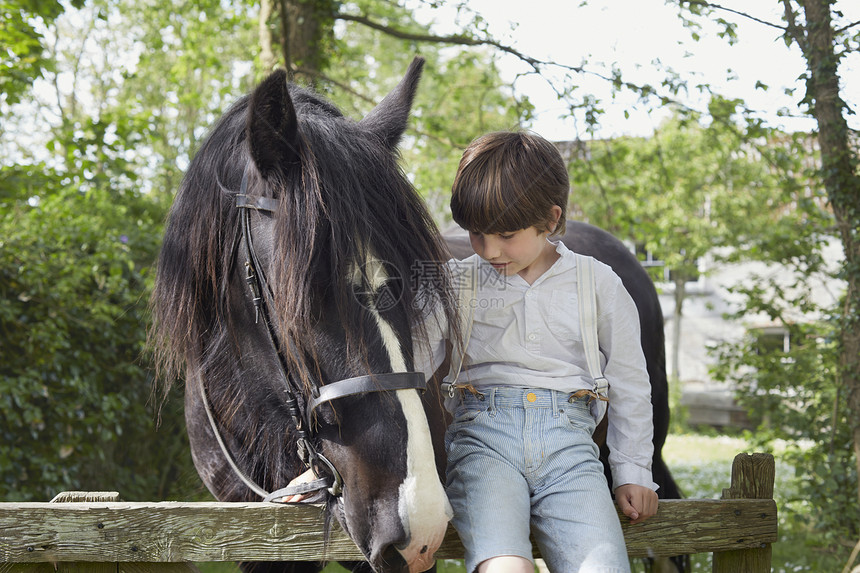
(520, 453)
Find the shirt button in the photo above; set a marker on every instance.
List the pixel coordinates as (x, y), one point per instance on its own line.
(532, 336)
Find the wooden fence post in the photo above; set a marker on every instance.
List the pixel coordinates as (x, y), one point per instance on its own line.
(752, 478)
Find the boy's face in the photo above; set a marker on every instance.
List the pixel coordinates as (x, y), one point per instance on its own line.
(525, 252)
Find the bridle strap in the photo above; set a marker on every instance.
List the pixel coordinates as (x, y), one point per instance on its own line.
(256, 203)
(252, 485)
(368, 383)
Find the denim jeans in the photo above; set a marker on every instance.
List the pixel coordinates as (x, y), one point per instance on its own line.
(522, 460)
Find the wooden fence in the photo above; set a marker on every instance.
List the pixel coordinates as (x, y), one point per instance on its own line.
(97, 533)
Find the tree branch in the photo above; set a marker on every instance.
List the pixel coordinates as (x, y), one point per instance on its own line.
(732, 11)
(316, 74)
(365, 98)
(456, 39)
(537, 65)
(846, 28)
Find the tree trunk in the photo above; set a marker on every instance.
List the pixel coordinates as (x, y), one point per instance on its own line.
(678, 314)
(306, 35)
(267, 56)
(839, 172)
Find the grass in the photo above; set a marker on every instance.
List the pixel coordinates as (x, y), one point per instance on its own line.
(701, 465)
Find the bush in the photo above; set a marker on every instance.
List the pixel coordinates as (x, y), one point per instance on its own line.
(75, 408)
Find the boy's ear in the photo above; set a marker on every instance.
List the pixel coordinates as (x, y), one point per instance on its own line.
(555, 217)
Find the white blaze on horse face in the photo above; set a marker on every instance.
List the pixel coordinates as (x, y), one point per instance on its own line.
(424, 508)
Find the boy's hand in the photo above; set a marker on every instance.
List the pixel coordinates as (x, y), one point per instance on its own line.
(309, 475)
(636, 502)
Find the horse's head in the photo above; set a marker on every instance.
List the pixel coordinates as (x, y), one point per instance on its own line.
(327, 234)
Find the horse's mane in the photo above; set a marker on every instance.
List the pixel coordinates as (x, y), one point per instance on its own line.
(325, 224)
(201, 226)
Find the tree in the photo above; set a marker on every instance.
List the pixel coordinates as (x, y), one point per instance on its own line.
(74, 396)
(81, 226)
(824, 38)
(91, 158)
(22, 58)
(684, 190)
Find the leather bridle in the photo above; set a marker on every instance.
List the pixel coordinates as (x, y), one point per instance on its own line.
(262, 299)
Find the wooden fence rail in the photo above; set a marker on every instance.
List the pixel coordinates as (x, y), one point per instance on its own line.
(98, 536)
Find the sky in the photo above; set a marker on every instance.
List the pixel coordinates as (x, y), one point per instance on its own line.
(645, 38)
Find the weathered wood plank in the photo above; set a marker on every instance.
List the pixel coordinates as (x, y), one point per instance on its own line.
(684, 527)
(78, 567)
(73, 496)
(144, 532)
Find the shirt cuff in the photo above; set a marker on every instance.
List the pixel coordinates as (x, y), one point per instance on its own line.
(631, 473)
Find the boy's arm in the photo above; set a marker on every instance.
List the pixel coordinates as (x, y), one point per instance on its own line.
(428, 344)
(631, 427)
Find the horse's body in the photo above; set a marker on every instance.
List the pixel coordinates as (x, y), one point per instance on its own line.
(273, 283)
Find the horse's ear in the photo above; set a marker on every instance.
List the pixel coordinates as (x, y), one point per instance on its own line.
(388, 119)
(272, 128)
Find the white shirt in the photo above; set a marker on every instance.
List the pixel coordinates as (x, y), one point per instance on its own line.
(529, 336)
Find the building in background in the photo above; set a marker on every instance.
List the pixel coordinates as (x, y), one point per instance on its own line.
(705, 325)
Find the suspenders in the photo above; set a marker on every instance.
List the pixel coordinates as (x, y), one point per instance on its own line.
(587, 297)
(588, 324)
(467, 303)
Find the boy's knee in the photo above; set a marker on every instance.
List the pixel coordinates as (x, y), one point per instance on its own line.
(506, 564)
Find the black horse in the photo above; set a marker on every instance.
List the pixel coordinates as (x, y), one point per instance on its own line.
(272, 294)
(278, 294)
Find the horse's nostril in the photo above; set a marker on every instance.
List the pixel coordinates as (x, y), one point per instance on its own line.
(423, 550)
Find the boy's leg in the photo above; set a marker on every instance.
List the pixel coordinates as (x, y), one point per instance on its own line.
(486, 488)
(506, 564)
(573, 516)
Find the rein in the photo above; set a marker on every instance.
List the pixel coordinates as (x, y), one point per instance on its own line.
(262, 300)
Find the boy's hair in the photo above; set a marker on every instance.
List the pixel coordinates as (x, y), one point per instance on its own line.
(509, 181)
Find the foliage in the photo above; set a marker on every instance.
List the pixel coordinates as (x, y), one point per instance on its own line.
(81, 226)
(22, 57)
(456, 83)
(74, 264)
(753, 192)
(813, 391)
(695, 184)
(797, 395)
(689, 187)
(197, 61)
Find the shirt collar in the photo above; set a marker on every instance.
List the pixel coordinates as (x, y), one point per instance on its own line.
(565, 262)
